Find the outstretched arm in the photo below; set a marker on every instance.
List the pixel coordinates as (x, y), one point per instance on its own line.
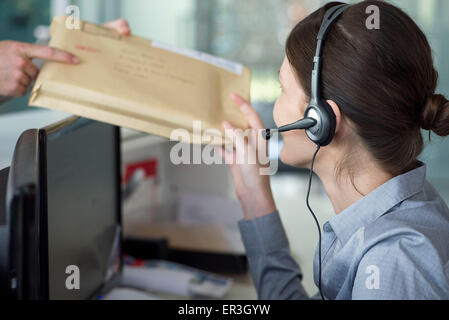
(275, 273)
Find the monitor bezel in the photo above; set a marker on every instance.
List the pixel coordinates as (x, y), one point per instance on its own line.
(63, 127)
(27, 192)
(23, 219)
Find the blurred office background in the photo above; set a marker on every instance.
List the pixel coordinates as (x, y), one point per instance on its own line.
(251, 32)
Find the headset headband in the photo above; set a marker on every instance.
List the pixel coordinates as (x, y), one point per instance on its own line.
(329, 18)
(320, 128)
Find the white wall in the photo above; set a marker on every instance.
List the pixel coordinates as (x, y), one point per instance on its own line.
(165, 21)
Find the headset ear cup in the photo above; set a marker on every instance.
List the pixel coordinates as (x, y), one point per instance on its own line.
(323, 132)
(331, 123)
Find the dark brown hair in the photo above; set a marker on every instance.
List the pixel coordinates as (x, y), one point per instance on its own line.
(383, 80)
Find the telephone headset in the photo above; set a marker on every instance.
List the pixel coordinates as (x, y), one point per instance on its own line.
(319, 118)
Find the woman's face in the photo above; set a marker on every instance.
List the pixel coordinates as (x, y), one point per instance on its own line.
(290, 107)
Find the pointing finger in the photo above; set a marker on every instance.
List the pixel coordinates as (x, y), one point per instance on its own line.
(48, 53)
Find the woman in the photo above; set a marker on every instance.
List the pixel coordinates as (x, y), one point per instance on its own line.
(389, 238)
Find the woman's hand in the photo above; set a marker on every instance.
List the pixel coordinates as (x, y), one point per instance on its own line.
(252, 188)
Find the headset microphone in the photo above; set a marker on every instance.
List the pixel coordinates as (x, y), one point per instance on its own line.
(302, 124)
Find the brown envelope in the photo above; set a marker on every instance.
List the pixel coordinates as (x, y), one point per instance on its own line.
(139, 84)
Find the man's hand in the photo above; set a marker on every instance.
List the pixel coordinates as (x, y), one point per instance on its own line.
(16, 69)
(119, 25)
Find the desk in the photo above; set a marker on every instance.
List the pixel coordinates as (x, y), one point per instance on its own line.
(241, 289)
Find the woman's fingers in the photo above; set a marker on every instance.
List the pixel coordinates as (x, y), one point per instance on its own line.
(239, 142)
(247, 144)
(229, 156)
(250, 113)
(234, 135)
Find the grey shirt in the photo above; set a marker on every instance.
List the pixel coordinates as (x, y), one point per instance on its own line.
(392, 244)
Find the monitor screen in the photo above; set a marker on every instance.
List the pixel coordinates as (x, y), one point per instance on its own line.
(82, 183)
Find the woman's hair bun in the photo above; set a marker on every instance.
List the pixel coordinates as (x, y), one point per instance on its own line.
(435, 115)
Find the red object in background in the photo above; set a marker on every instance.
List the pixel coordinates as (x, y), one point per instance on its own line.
(149, 166)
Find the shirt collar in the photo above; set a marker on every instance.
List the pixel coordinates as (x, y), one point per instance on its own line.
(377, 203)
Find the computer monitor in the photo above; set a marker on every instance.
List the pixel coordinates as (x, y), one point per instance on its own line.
(64, 211)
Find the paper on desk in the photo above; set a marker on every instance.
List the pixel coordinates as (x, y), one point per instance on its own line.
(134, 83)
(129, 294)
(175, 279)
(157, 279)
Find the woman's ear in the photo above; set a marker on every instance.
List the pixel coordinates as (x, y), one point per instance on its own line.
(337, 113)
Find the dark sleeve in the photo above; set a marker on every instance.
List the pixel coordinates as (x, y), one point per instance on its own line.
(275, 273)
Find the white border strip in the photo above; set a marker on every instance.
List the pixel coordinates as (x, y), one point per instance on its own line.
(228, 65)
